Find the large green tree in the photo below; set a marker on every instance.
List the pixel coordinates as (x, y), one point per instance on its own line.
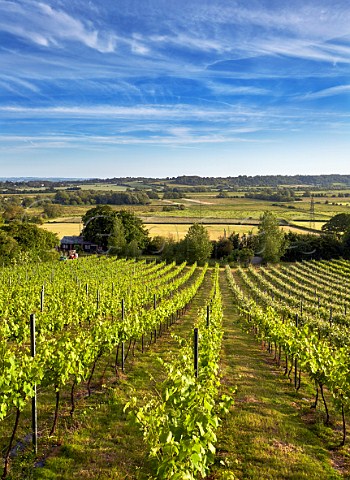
(99, 225)
(308, 246)
(13, 212)
(114, 231)
(272, 243)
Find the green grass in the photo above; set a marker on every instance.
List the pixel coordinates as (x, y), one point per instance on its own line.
(269, 434)
(245, 208)
(103, 187)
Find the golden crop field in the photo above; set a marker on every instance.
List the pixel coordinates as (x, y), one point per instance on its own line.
(178, 231)
(63, 229)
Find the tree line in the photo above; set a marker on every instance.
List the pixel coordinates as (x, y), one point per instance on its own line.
(264, 180)
(270, 244)
(323, 181)
(279, 195)
(92, 197)
(122, 233)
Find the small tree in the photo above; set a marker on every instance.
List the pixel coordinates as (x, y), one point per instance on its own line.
(272, 242)
(132, 250)
(196, 246)
(13, 212)
(52, 210)
(222, 247)
(245, 255)
(346, 243)
(133, 229)
(170, 249)
(116, 240)
(156, 245)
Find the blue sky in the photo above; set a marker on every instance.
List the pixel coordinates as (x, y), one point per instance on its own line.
(163, 88)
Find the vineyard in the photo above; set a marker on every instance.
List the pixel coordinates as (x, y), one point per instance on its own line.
(84, 311)
(303, 318)
(65, 325)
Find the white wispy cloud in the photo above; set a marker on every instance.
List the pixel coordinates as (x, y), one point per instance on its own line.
(139, 49)
(301, 19)
(216, 33)
(41, 24)
(225, 89)
(80, 142)
(328, 92)
(299, 29)
(170, 75)
(189, 41)
(305, 49)
(105, 110)
(223, 113)
(17, 84)
(142, 124)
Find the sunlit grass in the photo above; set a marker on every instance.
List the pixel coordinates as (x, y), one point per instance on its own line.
(266, 436)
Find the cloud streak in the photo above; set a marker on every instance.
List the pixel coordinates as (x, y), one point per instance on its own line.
(45, 26)
(329, 92)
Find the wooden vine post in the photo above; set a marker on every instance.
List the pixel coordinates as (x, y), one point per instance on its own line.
(34, 399)
(195, 352)
(42, 299)
(123, 345)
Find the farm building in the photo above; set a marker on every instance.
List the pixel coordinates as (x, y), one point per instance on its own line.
(76, 243)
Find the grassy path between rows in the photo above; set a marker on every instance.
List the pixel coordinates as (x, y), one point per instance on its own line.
(266, 436)
(100, 442)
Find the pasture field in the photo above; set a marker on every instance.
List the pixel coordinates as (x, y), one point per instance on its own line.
(245, 208)
(206, 206)
(315, 225)
(103, 187)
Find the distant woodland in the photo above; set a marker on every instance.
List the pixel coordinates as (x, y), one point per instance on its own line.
(266, 181)
(241, 181)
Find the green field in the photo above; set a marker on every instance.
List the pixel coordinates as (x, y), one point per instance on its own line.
(103, 187)
(240, 215)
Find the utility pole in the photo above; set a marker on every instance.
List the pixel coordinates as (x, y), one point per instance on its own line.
(312, 212)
